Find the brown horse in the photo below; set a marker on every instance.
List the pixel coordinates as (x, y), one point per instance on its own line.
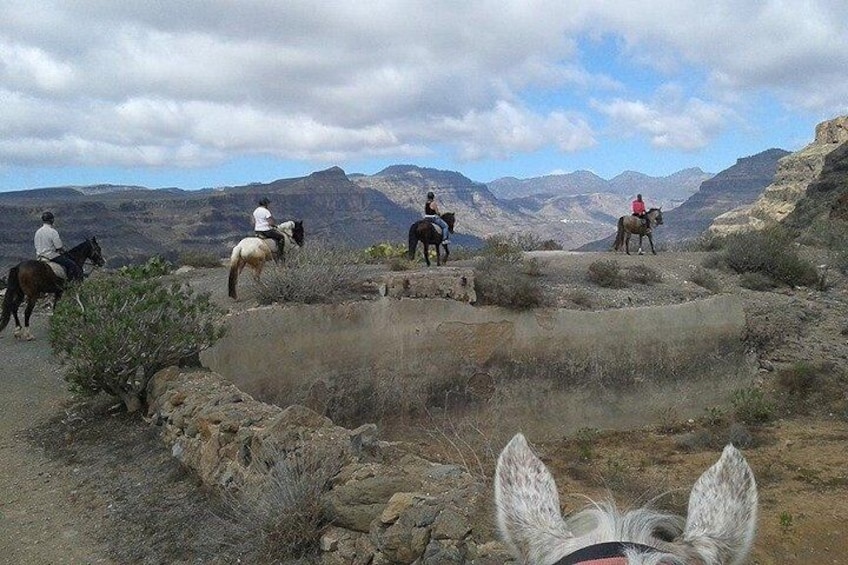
(428, 234)
(30, 279)
(628, 225)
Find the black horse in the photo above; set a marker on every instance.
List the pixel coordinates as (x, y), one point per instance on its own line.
(30, 279)
(428, 234)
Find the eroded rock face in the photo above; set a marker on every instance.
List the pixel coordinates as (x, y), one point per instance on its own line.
(385, 506)
(795, 173)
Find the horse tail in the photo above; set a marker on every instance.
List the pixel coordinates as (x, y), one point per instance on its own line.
(235, 258)
(13, 289)
(619, 235)
(413, 241)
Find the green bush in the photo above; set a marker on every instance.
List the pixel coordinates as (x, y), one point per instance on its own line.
(502, 247)
(750, 406)
(385, 251)
(606, 273)
(770, 252)
(502, 282)
(114, 333)
(154, 267)
(314, 274)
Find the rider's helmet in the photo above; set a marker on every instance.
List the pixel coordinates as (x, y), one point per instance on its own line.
(431, 195)
(47, 217)
(264, 201)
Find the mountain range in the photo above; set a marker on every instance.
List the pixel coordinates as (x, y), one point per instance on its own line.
(356, 210)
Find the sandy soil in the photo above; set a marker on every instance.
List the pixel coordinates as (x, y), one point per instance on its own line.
(82, 483)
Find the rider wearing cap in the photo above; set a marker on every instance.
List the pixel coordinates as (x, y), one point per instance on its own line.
(432, 213)
(48, 247)
(264, 223)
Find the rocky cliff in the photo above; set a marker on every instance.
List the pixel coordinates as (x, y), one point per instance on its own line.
(795, 173)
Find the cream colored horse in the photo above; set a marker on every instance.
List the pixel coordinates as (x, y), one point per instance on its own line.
(718, 530)
(255, 251)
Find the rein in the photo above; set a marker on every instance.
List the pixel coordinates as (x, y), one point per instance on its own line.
(608, 553)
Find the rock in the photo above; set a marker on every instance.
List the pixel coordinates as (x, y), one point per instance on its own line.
(446, 282)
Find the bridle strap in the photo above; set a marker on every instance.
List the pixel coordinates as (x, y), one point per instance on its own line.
(607, 553)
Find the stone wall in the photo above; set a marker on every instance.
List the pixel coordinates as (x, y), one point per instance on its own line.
(795, 173)
(385, 505)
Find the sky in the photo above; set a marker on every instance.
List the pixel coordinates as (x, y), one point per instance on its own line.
(198, 94)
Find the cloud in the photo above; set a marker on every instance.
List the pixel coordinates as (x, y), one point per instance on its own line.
(669, 121)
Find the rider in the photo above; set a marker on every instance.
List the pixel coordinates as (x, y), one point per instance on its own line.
(48, 247)
(264, 223)
(432, 213)
(640, 212)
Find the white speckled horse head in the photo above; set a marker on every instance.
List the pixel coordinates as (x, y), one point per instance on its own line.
(718, 530)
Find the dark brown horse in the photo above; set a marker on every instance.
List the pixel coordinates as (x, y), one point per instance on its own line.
(628, 225)
(425, 232)
(30, 279)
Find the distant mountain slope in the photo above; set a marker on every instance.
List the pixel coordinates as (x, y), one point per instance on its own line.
(737, 185)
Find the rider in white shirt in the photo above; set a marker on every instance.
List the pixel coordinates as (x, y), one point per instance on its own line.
(264, 222)
(48, 246)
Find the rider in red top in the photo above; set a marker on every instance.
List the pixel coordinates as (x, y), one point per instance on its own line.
(640, 211)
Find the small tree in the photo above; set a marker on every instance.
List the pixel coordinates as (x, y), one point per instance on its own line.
(114, 334)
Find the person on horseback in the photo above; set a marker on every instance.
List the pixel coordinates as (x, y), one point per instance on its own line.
(264, 223)
(640, 211)
(432, 213)
(48, 247)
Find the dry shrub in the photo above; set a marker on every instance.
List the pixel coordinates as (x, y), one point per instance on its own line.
(582, 299)
(644, 274)
(313, 274)
(504, 282)
(770, 252)
(282, 518)
(606, 273)
(757, 281)
(199, 259)
(751, 406)
(703, 278)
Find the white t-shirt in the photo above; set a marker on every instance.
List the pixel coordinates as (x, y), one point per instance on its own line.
(47, 242)
(260, 219)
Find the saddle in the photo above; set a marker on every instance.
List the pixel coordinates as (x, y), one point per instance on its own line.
(270, 242)
(58, 269)
(434, 224)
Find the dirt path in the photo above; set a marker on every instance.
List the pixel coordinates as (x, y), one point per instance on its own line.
(40, 520)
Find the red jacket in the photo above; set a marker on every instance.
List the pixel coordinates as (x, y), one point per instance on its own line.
(638, 207)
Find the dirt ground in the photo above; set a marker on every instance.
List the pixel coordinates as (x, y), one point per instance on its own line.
(83, 483)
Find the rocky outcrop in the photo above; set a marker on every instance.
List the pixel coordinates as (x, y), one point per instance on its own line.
(794, 175)
(447, 282)
(385, 505)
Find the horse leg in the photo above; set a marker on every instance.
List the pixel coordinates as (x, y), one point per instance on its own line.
(427, 253)
(447, 253)
(651, 241)
(438, 255)
(27, 334)
(640, 245)
(627, 243)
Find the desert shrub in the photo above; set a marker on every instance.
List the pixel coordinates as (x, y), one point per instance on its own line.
(154, 267)
(703, 278)
(382, 252)
(750, 406)
(757, 281)
(400, 264)
(114, 333)
(770, 252)
(606, 273)
(581, 298)
(314, 274)
(502, 282)
(199, 259)
(644, 274)
(799, 379)
(739, 435)
(502, 247)
(282, 517)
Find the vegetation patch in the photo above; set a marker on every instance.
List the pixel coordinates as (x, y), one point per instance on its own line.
(705, 279)
(154, 267)
(643, 274)
(606, 273)
(770, 252)
(310, 275)
(502, 281)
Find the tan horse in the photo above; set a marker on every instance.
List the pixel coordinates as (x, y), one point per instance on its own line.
(628, 225)
(255, 251)
(718, 530)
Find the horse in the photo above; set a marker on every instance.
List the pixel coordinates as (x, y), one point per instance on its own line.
(427, 233)
(718, 530)
(29, 279)
(255, 251)
(628, 225)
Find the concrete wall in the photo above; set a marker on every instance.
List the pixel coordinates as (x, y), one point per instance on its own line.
(298, 344)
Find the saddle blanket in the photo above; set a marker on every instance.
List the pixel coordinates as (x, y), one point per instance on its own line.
(58, 269)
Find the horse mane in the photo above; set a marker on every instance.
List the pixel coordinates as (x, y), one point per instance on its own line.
(718, 530)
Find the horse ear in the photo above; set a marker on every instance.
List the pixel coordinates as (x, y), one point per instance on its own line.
(527, 503)
(722, 514)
